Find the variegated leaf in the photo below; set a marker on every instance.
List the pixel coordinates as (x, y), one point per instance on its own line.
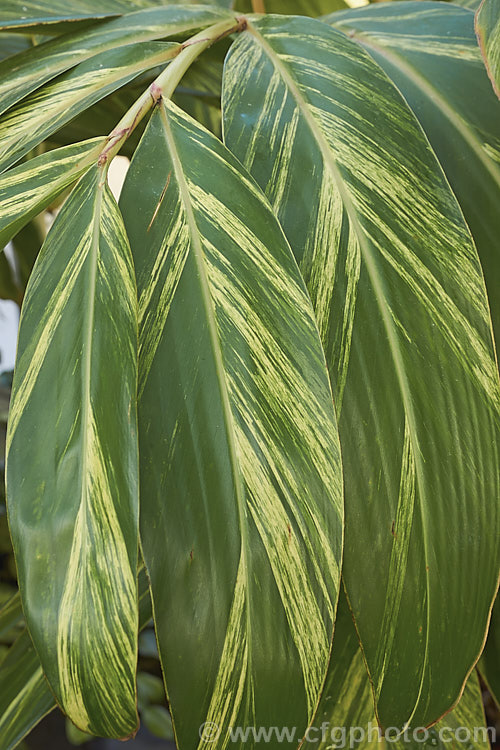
(25, 697)
(43, 112)
(31, 69)
(345, 716)
(74, 515)
(429, 50)
(488, 34)
(241, 483)
(55, 16)
(11, 614)
(401, 306)
(33, 185)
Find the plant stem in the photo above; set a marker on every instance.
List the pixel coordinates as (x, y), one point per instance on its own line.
(165, 84)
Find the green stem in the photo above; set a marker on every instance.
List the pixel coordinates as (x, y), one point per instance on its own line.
(165, 84)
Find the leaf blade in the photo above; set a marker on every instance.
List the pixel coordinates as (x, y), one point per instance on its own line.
(358, 215)
(83, 617)
(429, 50)
(30, 70)
(217, 319)
(35, 118)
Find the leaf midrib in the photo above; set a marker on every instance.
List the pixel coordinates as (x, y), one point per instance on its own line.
(377, 285)
(197, 249)
(89, 327)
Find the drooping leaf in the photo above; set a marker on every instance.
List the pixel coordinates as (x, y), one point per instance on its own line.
(44, 111)
(400, 303)
(32, 186)
(488, 34)
(73, 516)
(489, 664)
(345, 716)
(25, 697)
(31, 69)
(241, 486)
(56, 16)
(430, 52)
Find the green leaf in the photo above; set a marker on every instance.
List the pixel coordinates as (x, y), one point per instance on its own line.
(11, 44)
(31, 69)
(39, 115)
(489, 664)
(25, 697)
(11, 614)
(488, 34)
(24, 700)
(74, 515)
(55, 16)
(241, 482)
(400, 302)
(33, 185)
(295, 7)
(429, 50)
(345, 714)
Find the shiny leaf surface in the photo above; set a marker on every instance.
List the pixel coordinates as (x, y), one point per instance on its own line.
(429, 50)
(74, 516)
(241, 483)
(400, 302)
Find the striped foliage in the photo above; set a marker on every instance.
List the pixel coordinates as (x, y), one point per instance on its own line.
(241, 483)
(430, 51)
(56, 16)
(400, 303)
(39, 64)
(25, 697)
(347, 706)
(33, 185)
(11, 614)
(74, 515)
(43, 112)
(488, 34)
